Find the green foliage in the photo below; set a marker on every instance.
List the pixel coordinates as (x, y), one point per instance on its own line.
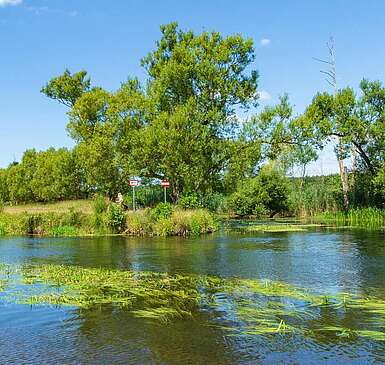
(4, 188)
(214, 202)
(360, 217)
(67, 88)
(146, 196)
(140, 223)
(116, 218)
(42, 176)
(63, 231)
(315, 194)
(267, 193)
(189, 201)
(180, 127)
(180, 223)
(162, 210)
(99, 204)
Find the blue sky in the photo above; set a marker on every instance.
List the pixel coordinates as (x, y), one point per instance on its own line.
(40, 38)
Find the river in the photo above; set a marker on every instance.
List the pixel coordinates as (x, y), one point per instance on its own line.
(322, 261)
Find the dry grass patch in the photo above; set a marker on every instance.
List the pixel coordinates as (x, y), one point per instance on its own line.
(84, 206)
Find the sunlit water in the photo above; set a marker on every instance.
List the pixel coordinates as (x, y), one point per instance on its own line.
(323, 261)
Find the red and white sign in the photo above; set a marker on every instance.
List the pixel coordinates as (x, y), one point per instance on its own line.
(165, 183)
(134, 182)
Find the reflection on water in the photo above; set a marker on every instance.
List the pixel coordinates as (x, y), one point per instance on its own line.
(323, 261)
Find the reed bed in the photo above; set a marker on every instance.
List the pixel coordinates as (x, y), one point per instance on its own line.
(359, 217)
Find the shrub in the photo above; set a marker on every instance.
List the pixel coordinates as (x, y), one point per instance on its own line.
(63, 231)
(32, 224)
(164, 227)
(139, 223)
(115, 218)
(267, 193)
(100, 204)
(162, 210)
(186, 222)
(190, 201)
(2, 229)
(214, 202)
(73, 218)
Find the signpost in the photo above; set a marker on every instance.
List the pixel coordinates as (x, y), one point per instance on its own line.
(166, 184)
(133, 183)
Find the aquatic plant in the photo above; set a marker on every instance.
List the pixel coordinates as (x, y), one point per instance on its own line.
(243, 307)
(360, 217)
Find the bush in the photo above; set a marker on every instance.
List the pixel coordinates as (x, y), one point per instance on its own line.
(62, 231)
(164, 227)
(73, 218)
(140, 223)
(265, 194)
(186, 222)
(116, 218)
(190, 201)
(100, 204)
(162, 210)
(214, 202)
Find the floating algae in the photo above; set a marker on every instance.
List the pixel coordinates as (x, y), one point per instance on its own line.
(242, 307)
(280, 228)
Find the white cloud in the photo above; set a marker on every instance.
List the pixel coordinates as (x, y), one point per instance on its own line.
(10, 2)
(42, 10)
(265, 42)
(264, 95)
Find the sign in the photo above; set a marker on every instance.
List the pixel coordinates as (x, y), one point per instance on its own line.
(134, 182)
(165, 183)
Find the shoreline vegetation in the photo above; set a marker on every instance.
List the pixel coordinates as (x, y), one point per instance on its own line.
(181, 125)
(99, 217)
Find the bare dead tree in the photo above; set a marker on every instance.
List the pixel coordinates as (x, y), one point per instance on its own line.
(331, 78)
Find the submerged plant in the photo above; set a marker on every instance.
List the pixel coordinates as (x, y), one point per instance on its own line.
(247, 307)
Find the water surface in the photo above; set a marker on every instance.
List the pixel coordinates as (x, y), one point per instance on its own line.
(325, 262)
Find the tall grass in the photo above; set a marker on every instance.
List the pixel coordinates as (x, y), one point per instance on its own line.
(178, 223)
(314, 195)
(361, 217)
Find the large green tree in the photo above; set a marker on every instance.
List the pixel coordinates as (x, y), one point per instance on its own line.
(196, 83)
(182, 126)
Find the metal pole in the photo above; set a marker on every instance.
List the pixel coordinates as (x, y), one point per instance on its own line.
(165, 194)
(133, 198)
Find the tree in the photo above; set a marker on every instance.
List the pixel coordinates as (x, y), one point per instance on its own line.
(182, 127)
(4, 188)
(56, 176)
(358, 121)
(196, 82)
(67, 88)
(266, 193)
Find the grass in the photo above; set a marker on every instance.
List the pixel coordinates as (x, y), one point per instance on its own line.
(356, 217)
(84, 206)
(247, 307)
(277, 228)
(85, 217)
(179, 223)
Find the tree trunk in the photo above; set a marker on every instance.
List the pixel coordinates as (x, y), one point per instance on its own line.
(175, 194)
(344, 183)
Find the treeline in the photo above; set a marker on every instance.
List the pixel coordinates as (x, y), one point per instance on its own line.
(182, 124)
(43, 177)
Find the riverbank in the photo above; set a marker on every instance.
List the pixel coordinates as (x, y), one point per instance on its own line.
(163, 220)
